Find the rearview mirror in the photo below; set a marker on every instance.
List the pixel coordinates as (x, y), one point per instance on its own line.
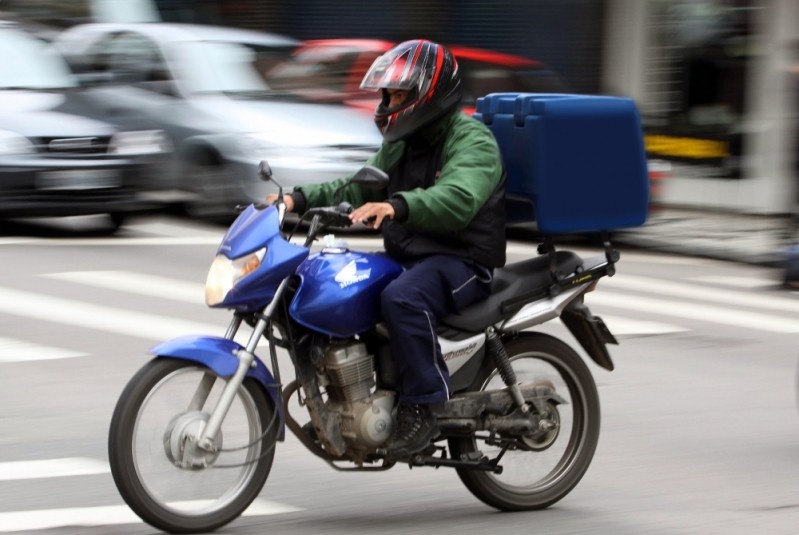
(370, 177)
(264, 171)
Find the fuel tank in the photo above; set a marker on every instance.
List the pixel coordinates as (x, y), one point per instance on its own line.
(339, 292)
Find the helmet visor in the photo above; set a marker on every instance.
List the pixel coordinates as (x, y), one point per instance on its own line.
(400, 68)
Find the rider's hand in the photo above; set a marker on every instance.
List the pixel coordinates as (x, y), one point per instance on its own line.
(372, 213)
(272, 198)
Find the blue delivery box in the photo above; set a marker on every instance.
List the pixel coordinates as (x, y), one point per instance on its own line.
(577, 160)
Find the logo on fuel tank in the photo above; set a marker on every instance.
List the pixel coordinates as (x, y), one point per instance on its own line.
(350, 275)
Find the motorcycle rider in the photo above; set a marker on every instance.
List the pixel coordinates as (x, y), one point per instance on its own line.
(442, 216)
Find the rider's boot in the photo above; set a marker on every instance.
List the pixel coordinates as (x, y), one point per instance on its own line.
(416, 428)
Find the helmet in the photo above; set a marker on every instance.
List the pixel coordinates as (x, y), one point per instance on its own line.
(429, 72)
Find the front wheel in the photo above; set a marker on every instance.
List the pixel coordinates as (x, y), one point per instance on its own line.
(162, 474)
(537, 472)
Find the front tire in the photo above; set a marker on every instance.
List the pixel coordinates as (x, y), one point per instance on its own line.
(167, 483)
(535, 477)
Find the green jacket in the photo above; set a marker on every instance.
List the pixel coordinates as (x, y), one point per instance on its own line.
(456, 211)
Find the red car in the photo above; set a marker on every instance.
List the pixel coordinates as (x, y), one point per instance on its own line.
(331, 70)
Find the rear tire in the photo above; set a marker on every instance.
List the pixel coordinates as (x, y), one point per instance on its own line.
(563, 462)
(173, 498)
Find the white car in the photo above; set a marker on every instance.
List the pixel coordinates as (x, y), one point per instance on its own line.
(204, 87)
(57, 156)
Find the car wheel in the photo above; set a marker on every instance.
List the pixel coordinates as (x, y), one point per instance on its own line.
(117, 219)
(208, 180)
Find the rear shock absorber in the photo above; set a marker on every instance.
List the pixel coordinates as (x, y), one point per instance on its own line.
(497, 350)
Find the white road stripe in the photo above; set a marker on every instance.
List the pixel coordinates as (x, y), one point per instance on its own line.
(177, 230)
(693, 311)
(529, 249)
(71, 466)
(12, 350)
(738, 282)
(120, 241)
(168, 288)
(86, 315)
(137, 283)
(626, 327)
(106, 516)
(701, 293)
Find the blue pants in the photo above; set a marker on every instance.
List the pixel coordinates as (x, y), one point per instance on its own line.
(412, 304)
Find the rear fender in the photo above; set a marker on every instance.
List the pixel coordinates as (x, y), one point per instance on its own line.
(219, 355)
(590, 331)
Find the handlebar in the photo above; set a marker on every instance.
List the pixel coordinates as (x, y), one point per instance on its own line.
(324, 216)
(336, 215)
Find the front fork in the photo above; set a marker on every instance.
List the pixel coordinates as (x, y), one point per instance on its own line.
(246, 359)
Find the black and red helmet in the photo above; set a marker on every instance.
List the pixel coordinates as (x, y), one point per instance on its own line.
(429, 72)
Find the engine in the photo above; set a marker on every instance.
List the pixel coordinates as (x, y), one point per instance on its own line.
(348, 377)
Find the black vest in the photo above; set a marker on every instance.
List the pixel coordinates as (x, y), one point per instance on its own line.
(483, 240)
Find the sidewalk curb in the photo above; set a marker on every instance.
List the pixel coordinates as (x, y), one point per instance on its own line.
(744, 238)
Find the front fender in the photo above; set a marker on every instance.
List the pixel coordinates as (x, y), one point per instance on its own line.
(219, 355)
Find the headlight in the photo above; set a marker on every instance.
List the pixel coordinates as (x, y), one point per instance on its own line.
(13, 143)
(225, 273)
(139, 142)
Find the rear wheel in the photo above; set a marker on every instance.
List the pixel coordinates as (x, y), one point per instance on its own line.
(162, 474)
(537, 472)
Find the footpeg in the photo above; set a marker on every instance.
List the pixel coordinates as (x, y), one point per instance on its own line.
(473, 456)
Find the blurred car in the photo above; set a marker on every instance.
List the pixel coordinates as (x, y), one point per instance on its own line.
(331, 70)
(204, 86)
(55, 160)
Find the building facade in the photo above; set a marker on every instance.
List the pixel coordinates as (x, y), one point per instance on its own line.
(713, 81)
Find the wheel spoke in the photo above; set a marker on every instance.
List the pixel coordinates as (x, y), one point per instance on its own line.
(522, 469)
(540, 468)
(158, 467)
(202, 393)
(171, 484)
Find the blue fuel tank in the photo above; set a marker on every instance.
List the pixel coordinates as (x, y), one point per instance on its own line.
(340, 291)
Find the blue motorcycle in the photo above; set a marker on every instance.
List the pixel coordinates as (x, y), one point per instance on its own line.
(193, 435)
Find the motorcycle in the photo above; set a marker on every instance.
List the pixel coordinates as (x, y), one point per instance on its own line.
(193, 435)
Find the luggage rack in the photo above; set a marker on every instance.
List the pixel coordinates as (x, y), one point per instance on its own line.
(581, 275)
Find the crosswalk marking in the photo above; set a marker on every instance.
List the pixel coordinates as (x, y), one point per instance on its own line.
(701, 293)
(12, 350)
(149, 326)
(737, 282)
(107, 515)
(620, 326)
(176, 230)
(86, 315)
(117, 241)
(694, 311)
(138, 283)
(67, 467)
(525, 249)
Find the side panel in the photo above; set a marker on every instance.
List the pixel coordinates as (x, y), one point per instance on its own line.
(219, 355)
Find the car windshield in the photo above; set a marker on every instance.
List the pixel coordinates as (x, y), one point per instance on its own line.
(28, 63)
(232, 68)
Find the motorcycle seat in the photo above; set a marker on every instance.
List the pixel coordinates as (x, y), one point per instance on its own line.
(531, 278)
